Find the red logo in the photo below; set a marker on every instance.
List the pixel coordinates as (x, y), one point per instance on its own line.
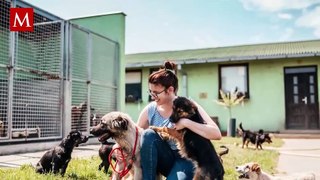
(21, 19)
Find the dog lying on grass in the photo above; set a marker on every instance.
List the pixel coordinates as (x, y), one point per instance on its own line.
(56, 160)
(256, 138)
(191, 145)
(252, 171)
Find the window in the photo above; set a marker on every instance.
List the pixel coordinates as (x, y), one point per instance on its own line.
(234, 77)
(133, 86)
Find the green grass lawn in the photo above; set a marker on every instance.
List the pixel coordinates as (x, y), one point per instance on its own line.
(85, 169)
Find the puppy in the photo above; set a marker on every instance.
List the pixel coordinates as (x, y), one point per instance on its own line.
(123, 130)
(255, 138)
(191, 145)
(56, 160)
(104, 152)
(252, 171)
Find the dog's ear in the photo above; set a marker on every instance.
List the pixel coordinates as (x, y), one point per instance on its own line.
(120, 123)
(256, 168)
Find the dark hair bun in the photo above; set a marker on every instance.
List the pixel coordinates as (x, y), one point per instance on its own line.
(170, 65)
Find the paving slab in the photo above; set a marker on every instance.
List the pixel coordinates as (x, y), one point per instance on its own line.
(300, 156)
(16, 160)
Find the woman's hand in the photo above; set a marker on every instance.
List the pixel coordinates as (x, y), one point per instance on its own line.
(181, 124)
(208, 131)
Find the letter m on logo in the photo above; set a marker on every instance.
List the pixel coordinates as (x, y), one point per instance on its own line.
(21, 19)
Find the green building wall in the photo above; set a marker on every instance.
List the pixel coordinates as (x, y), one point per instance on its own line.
(264, 109)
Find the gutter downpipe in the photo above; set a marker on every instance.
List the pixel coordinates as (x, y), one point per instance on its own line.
(184, 82)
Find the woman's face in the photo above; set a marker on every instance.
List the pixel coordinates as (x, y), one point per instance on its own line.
(158, 93)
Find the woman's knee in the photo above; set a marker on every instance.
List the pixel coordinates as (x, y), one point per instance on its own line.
(148, 136)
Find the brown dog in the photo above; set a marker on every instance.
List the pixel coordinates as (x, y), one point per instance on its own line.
(191, 145)
(123, 130)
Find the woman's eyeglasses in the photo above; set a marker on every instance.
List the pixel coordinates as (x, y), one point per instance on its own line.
(154, 93)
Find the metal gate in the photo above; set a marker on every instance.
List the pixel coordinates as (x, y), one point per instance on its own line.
(30, 79)
(94, 64)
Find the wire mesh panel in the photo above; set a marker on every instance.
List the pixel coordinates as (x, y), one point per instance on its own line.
(79, 64)
(37, 82)
(30, 78)
(32, 71)
(4, 62)
(103, 81)
(94, 63)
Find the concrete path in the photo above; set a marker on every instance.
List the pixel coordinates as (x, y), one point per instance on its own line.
(16, 160)
(299, 156)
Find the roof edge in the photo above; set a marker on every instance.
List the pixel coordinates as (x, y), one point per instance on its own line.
(223, 59)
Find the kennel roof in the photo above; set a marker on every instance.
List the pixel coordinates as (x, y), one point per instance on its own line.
(266, 51)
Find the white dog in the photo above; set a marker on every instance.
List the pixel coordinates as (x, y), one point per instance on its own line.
(252, 171)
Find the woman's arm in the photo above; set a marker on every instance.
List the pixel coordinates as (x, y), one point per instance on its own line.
(209, 130)
(143, 118)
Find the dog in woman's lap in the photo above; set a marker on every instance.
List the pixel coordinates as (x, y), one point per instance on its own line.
(191, 145)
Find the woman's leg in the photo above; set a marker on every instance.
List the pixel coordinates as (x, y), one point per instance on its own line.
(182, 169)
(156, 155)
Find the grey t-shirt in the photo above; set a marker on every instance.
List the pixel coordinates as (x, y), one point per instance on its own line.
(155, 119)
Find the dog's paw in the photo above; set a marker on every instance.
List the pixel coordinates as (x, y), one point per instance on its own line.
(157, 129)
(164, 135)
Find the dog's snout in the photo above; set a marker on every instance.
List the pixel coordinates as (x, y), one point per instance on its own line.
(92, 131)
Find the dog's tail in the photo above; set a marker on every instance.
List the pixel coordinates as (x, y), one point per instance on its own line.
(225, 151)
(240, 126)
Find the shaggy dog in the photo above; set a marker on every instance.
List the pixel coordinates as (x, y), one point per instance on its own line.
(252, 171)
(123, 130)
(191, 145)
(56, 159)
(255, 138)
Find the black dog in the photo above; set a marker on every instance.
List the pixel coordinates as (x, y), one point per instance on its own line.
(256, 138)
(56, 159)
(193, 146)
(104, 152)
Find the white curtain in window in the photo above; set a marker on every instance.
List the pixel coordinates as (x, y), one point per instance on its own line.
(133, 77)
(232, 77)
